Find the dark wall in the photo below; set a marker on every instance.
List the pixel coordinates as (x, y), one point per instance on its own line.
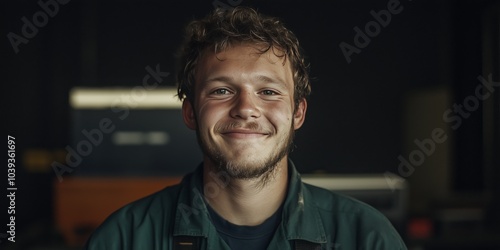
(354, 121)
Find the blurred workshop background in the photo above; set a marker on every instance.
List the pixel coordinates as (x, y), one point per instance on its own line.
(404, 114)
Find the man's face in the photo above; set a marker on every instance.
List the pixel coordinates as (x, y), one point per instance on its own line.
(243, 110)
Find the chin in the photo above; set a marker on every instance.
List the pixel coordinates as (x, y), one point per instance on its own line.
(248, 168)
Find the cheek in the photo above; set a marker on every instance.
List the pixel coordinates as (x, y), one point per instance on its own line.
(280, 115)
(208, 115)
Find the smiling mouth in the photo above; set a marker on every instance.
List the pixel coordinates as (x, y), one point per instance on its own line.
(244, 134)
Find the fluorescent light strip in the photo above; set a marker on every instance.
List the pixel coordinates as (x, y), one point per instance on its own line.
(340, 182)
(153, 138)
(133, 98)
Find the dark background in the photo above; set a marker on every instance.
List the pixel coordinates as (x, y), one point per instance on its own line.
(362, 115)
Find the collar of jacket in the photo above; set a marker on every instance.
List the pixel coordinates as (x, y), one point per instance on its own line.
(300, 219)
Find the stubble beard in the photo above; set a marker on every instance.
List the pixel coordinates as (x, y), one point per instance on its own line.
(257, 169)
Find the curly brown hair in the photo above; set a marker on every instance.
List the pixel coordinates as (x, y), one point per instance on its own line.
(222, 28)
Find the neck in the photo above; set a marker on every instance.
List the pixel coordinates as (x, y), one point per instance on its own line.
(246, 202)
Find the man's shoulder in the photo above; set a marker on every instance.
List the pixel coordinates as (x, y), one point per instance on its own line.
(343, 207)
(138, 221)
(352, 219)
(156, 202)
(332, 201)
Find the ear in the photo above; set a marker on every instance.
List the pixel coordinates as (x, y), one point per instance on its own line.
(300, 114)
(188, 114)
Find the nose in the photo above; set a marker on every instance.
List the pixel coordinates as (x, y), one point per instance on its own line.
(245, 106)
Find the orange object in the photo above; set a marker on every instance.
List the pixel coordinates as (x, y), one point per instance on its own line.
(82, 204)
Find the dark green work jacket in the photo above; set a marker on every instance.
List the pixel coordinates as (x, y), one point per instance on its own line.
(174, 216)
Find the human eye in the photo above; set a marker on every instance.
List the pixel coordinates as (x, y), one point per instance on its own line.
(221, 91)
(268, 92)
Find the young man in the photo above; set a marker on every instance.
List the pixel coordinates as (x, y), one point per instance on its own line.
(244, 83)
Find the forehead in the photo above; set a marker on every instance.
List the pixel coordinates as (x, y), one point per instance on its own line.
(244, 60)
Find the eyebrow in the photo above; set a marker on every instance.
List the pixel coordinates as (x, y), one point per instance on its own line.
(267, 79)
(258, 78)
(225, 79)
